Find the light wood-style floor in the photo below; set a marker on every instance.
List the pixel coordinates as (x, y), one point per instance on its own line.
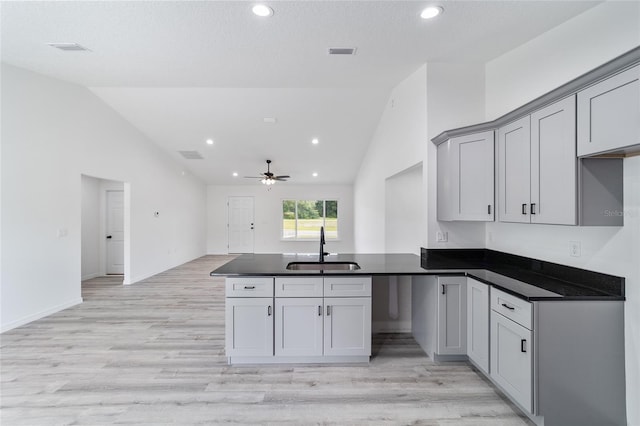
(153, 353)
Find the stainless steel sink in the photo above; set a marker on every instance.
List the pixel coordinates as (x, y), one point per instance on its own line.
(324, 266)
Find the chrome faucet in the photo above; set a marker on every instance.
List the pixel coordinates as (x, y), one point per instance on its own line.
(322, 252)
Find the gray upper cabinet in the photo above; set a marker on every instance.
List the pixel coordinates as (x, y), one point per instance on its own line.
(554, 164)
(466, 178)
(609, 114)
(514, 171)
(537, 166)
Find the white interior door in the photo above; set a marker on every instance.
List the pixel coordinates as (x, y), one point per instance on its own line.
(241, 224)
(115, 232)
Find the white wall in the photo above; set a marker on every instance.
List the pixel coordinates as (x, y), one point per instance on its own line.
(268, 216)
(52, 133)
(397, 144)
(590, 39)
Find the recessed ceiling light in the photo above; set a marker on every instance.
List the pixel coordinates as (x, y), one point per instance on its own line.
(209, 141)
(262, 10)
(315, 174)
(315, 141)
(270, 120)
(235, 174)
(431, 12)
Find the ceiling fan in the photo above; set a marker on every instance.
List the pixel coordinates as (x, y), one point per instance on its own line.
(269, 178)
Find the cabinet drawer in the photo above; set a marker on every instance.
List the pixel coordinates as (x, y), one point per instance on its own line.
(299, 287)
(347, 286)
(512, 307)
(249, 287)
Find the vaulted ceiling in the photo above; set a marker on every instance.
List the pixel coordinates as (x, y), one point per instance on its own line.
(186, 71)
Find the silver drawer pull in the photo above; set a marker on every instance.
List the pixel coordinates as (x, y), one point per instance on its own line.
(249, 287)
(511, 308)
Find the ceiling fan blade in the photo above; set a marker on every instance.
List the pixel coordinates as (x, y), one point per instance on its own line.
(281, 178)
(253, 177)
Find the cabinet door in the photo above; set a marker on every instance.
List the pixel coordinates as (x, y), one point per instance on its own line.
(445, 196)
(249, 326)
(473, 177)
(609, 113)
(553, 164)
(347, 326)
(511, 365)
(452, 316)
(514, 171)
(298, 326)
(478, 323)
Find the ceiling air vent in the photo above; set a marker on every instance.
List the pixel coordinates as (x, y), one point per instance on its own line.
(342, 51)
(191, 155)
(70, 47)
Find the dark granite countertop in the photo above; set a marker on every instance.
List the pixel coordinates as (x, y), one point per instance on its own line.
(530, 279)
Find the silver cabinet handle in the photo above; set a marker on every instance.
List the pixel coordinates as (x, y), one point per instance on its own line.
(524, 208)
(328, 310)
(511, 308)
(319, 310)
(443, 289)
(489, 209)
(269, 310)
(523, 345)
(249, 287)
(533, 208)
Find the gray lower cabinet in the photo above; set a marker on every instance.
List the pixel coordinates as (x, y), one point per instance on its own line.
(465, 184)
(512, 346)
(306, 319)
(478, 323)
(347, 326)
(609, 114)
(249, 326)
(452, 316)
(299, 326)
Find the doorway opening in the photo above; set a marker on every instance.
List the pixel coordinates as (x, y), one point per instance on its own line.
(105, 227)
(240, 225)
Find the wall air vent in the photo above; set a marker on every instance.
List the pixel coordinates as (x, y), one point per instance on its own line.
(191, 155)
(69, 47)
(342, 51)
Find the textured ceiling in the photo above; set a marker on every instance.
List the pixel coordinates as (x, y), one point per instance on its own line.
(185, 71)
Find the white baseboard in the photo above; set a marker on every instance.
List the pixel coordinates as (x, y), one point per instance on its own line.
(38, 315)
(391, 326)
(90, 276)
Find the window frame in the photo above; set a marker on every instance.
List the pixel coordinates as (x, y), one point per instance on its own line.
(324, 208)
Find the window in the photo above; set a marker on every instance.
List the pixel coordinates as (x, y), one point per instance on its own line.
(302, 219)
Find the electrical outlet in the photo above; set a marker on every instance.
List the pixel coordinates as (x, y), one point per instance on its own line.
(442, 237)
(575, 249)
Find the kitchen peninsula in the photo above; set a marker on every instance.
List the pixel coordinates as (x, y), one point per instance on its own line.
(526, 324)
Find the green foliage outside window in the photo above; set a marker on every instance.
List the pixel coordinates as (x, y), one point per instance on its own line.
(302, 219)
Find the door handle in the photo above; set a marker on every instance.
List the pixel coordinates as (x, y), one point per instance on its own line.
(109, 237)
(524, 208)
